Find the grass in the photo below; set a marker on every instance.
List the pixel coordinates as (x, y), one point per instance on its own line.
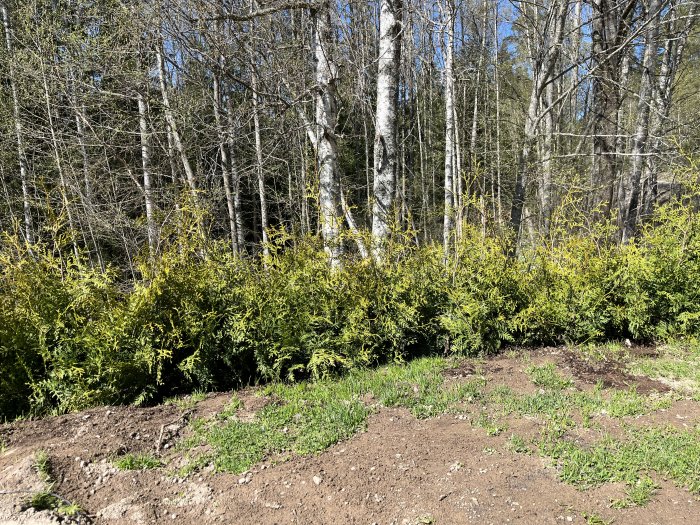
(45, 499)
(547, 377)
(672, 453)
(555, 402)
(309, 417)
(186, 402)
(677, 363)
(42, 466)
(142, 461)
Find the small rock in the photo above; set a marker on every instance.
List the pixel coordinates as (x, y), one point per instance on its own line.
(318, 480)
(247, 478)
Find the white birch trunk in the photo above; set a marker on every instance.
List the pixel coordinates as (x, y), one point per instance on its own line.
(172, 124)
(235, 178)
(258, 146)
(21, 154)
(385, 127)
(146, 167)
(448, 218)
(326, 73)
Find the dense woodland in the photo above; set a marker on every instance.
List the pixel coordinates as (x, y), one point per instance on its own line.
(200, 194)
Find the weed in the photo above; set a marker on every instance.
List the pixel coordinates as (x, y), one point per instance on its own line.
(42, 465)
(137, 462)
(518, 444)
(43, 500)
(489, 424)
(547, 377)
(186, 402)
(69, 509)
(594, 519)
(638, 494)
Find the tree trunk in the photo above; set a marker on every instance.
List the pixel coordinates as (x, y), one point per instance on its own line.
(264, 225)
(628, 205)
(19, 135)
(146, 167)
(172, 124)
(326, 73)
(448, 218)
(385, 127)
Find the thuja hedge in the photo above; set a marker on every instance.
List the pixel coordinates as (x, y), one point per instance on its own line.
(73, 336)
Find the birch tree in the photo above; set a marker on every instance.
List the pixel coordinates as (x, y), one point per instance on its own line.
(19, 135)
(324, 133)
(448, 42)
(385, 160)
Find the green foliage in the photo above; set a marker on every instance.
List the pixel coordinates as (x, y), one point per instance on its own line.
(547, 377)
(42, 465)
(137, 462)
(199, 318)
(667, 451)
(43, 500)
(483, 294)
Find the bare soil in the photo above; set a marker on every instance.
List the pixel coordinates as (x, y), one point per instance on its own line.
(401, 470)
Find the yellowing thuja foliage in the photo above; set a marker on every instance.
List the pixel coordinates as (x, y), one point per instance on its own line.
(72, 336)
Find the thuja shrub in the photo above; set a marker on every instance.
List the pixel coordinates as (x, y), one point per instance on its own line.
(179, 322)
(662, 289)
(306, 320)
(198, 317)
(568, 291)
(484, 292)
(52, 312)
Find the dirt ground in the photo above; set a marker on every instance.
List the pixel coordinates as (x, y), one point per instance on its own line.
(401, 470)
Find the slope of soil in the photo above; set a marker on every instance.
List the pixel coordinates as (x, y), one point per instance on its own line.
(401, 470)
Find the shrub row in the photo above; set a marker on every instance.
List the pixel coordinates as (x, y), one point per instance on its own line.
(72, 336)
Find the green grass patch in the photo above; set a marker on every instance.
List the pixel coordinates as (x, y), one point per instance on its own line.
(186, 402)
(142, 461)
(555, 403)
(677, 363)
(547, 377)
(672, 453)
(309, 417)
